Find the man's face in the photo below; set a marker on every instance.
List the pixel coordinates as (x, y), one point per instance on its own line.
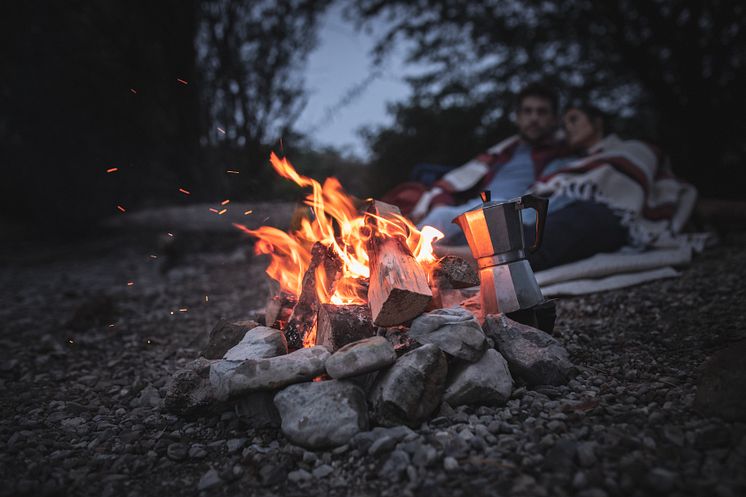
(535, 119)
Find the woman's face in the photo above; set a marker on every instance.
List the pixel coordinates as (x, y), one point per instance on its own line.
(580, 130)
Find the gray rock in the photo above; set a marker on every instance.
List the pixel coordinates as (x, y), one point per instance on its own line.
(395, 466)
(322, 471)
(454, 330)
(232, 378)
(322, 414)
(224, 336)
(235, 444)
(299, 475)
(361, 357)
(381, 445)
(176, 451)
(586, 454)
(450, 464)
(209, 479)
(149, 397)
(661, 480)
(424, 455)
(258, 410)
(197, 451)
(410, 390)
(258, 343)
(720, 386)
(189, 391)
(533, 355)
(486, 382)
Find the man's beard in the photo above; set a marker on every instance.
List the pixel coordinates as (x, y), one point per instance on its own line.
(542, 137)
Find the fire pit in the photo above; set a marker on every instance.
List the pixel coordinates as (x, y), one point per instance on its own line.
(357, 333)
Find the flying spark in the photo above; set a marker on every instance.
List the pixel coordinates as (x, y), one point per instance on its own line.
(112, 170)
(212, 209)
(121, 209)
(183, 82)
(221, 130)
(130, 283)
(246, 213)
(225, 202)
(133, 91)
(222, 211)
(185, 192)
(232, 171)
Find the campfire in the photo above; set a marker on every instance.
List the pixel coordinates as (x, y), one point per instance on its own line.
(366, 327)
(349, 262)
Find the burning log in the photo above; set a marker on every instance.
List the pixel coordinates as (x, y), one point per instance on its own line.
(398, 290)
(455, 272)
(339, 325)
(450, 276)
(303, 319)
(278, 309)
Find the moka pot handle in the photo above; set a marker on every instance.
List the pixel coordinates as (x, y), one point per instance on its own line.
(540, 205)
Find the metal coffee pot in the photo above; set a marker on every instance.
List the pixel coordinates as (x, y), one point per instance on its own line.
(494, 232)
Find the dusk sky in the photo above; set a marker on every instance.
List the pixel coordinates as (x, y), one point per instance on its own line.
(339, 64)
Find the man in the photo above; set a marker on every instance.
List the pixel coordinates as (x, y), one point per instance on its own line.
(507, 169)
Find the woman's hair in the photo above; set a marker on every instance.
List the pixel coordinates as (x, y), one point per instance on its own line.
(593, 113)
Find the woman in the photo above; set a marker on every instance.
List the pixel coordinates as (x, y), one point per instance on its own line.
(613, 193)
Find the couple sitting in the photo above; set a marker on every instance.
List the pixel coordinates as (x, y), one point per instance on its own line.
(605, 193)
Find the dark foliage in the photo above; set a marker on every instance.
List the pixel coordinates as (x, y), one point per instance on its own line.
(251, 59)
(429, 134)
(671, 70)
(144, 87)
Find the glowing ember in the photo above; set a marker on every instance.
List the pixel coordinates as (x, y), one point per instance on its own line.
(336, 223)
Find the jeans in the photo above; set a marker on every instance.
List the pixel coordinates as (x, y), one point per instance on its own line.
(574, 232)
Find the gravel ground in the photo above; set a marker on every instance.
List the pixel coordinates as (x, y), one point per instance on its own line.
(85, 358)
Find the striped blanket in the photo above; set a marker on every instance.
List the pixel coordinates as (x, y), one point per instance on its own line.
(634, 180)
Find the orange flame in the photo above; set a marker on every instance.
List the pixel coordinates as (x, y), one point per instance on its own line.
(337, 224)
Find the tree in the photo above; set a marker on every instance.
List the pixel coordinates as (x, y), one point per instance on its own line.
(682, 61)
(252, 56)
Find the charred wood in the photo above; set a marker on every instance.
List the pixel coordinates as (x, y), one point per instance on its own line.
(339, 325)
(303, 318)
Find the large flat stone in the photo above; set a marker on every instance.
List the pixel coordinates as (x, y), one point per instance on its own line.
(233, 378)
(533, 355)
(258, 343)
(363, 356)
(485, 382)
(454, 330)
(225, 335)
(410, 390)
(322, 414)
